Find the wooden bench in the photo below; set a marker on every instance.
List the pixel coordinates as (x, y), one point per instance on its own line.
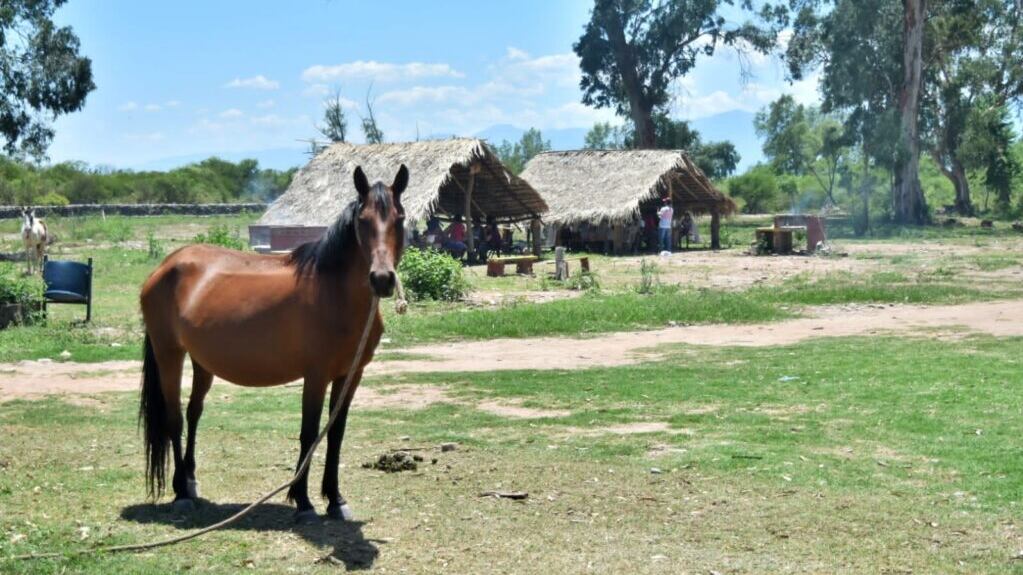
(523, 265)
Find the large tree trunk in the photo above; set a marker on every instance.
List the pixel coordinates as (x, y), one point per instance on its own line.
(646, 135)
(964, 205)
(639, 110)
(956, 173)
(908, 201)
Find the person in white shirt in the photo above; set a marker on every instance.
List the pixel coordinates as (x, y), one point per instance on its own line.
(665, 215)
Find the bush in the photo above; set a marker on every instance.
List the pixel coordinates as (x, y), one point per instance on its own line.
(759, 190)
(221, 235)
(16, 288)
(52, 199)
(429, 274)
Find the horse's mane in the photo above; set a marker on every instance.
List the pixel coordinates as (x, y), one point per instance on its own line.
(330, 253)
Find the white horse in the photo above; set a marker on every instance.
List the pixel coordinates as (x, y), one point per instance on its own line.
(33, 235)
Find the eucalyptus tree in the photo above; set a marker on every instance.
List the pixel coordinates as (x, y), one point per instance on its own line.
(974, 70)
(800, 140)
(870, 53)
(42, 75)
(631, 51)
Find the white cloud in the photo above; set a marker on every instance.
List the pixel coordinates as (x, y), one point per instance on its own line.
(153, 107)
(128, 107)
(259, 82)
(172, 103)
(145, 137)
(231, 114)
(316, 90)
(380, 71)
(424, 94)
(513, 53)
(266, 104)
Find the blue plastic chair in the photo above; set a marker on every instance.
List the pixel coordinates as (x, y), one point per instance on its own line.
(68, 282)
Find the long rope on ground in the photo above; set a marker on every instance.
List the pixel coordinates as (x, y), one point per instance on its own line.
(401, 306)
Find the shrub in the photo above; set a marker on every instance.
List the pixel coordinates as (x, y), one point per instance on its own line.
(16, 288)
(155, 248)
(52, 199)
(649, 277)
(758, 188)
(221, 235)
(429, 274)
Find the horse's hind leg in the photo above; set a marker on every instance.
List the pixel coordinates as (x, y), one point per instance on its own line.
(337, 507)
(202, 380)
(312, 407)
(170, 362)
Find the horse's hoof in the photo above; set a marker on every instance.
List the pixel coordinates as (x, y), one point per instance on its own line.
(340, 512)
(192, 488)
(183, 506)
(306, 517)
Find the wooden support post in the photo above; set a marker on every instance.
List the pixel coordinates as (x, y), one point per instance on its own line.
(618, 239)
(560, 265)
(467, 216)
(534, 228)
(715, 230)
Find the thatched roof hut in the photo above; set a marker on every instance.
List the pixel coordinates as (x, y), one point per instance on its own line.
(442, 174)
(613, 185)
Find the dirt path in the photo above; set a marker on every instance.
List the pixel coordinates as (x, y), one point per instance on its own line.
(1002, 318)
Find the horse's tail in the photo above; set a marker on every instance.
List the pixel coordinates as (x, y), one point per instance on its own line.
(153, 419)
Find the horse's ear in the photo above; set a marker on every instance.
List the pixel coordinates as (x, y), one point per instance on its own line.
(361, 183)
(400, 181)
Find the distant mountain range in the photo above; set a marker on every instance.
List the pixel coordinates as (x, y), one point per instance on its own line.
(735, 126)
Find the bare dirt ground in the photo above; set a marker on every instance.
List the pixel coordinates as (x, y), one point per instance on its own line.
(30, 379)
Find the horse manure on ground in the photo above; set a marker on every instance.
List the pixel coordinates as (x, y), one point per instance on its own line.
(395, 462)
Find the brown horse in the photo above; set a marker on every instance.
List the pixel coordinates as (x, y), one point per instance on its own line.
(262, 320)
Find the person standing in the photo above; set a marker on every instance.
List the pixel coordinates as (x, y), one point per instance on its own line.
(666, 214)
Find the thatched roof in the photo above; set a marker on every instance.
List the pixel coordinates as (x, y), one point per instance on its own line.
(438, 177)
(594, 185)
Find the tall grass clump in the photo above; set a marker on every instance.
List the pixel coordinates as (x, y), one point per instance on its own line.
(221, 235)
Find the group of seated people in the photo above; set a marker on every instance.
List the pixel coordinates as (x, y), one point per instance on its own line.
(639, 236)
(487, 239)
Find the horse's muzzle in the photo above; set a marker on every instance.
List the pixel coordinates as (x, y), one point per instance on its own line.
(382, 283)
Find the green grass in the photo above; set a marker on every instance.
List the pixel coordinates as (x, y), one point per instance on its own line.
(123, 264)
(606, 312)
(805, 458)
(590, 314)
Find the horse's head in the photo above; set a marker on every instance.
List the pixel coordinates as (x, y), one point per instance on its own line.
(380, 228)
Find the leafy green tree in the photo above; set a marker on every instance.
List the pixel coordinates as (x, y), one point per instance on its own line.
(988, 143)
(870, 54)
(42, 75)
(973, 61)
(335, 123)
(632, 50)
(716, 159)
(800, 140)
(515, 155)
(370, 129)
(758, 188)
(604, 136)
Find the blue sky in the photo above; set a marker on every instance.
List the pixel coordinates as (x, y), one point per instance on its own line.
(189, 79)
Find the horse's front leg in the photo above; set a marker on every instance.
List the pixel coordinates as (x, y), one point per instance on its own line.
(29, 259)
(337, 507)
(313, 391)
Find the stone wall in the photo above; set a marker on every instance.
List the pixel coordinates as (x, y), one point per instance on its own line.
(8, 212)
